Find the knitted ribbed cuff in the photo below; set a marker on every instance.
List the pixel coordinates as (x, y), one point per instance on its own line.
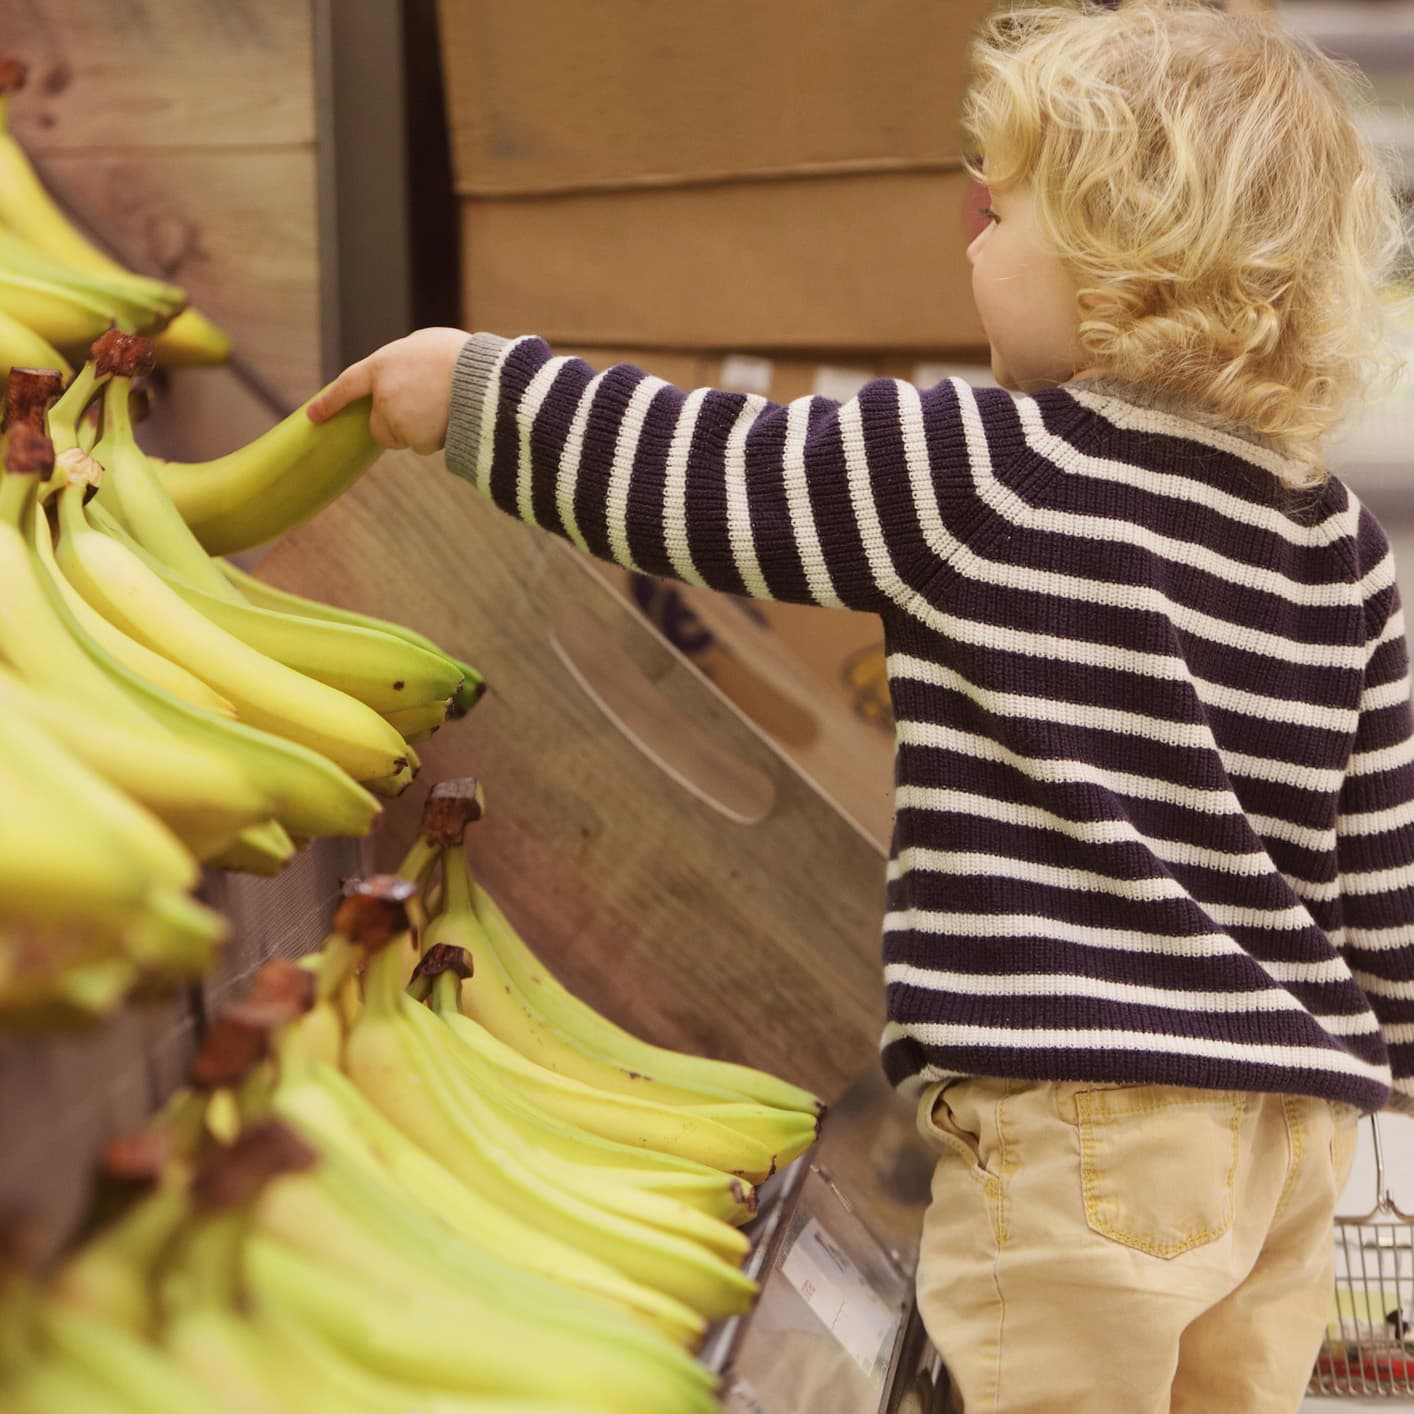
(470, 379)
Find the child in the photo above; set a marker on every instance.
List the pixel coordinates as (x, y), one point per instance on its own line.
(1149, 930)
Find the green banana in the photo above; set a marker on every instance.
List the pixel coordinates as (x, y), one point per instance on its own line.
(274, 483)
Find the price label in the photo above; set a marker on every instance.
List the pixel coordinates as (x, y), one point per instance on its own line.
(835, 1290)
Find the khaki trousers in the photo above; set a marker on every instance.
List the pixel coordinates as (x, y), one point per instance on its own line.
(1128, 1249)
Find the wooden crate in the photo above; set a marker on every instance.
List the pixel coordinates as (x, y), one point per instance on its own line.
(658, 849)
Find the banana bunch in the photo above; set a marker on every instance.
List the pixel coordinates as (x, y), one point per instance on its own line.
(59, 291)
(193, 1297)
(201, 719)
(364, 1199)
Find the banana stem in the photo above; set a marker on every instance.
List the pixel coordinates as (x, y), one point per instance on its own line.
(16, 492)
(66, 414)
(418, 861)
(456, 880)
(446, 998)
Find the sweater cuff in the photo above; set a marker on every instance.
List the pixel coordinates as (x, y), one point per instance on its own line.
(476, 364)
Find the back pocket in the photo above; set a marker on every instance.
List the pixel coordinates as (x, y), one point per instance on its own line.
(1159, 1164)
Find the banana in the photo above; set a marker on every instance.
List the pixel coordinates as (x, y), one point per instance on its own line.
(53, 978)
(383, 1050)
(27, 209)
(484, 1063)
(382, 671)
(506, 1347)
(261, 849)
(417, 724)
(131, 488)
(41, 637)
(203, 798)
(69, 309)
(36, 636)
(31, 754)
(669, 1129)
(48, 1387)
(268, 596)
(274, 483)
(715, 1080)
(266, 693)
(124, 1365)
(641, 1185)
(59, 866)
(21, 347)
(324, 1106)
(137, 657)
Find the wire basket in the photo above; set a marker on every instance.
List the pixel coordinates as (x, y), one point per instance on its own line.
(1369, 1345)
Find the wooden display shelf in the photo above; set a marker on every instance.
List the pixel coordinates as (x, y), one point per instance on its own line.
(663, 855)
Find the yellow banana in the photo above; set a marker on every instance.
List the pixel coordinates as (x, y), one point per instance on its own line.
(666, 1192)
(715, 1081)
(274, 483)
(268, 596)
(132, 490)
(384, 672)
(261, 849)
(265, 693)
(21, 347)
(137, 657)
(670, 1129)
(509, 1347)
(138, 1376)
(204, 799)
(323, 1105)
(27, 209)
(415, 724)
(383, 1051)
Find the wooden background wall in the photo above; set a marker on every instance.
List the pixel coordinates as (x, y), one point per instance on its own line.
(183, 136)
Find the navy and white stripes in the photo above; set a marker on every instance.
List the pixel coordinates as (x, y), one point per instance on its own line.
(1154, 803)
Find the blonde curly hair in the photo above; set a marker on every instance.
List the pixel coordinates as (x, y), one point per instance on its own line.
(1205, 182)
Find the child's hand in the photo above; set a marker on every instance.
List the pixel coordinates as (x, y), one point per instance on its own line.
(410, 381)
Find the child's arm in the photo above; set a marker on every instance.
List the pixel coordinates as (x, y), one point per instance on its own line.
(1375, 836)
(847, 504)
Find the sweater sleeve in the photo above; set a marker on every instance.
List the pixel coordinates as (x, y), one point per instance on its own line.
(1375, 836)
(849, 504)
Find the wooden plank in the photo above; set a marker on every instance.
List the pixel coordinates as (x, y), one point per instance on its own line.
(150, 73)
(62, 1097)
(237, 229)
(756, 942)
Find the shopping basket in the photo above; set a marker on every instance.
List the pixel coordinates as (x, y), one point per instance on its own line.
(1369, 1345)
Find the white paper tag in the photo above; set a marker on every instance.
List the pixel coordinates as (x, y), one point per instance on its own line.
(832, 1286)
(746, 373)
(839, 384)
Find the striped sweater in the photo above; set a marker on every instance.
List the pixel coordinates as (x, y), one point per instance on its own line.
(1154, 770)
